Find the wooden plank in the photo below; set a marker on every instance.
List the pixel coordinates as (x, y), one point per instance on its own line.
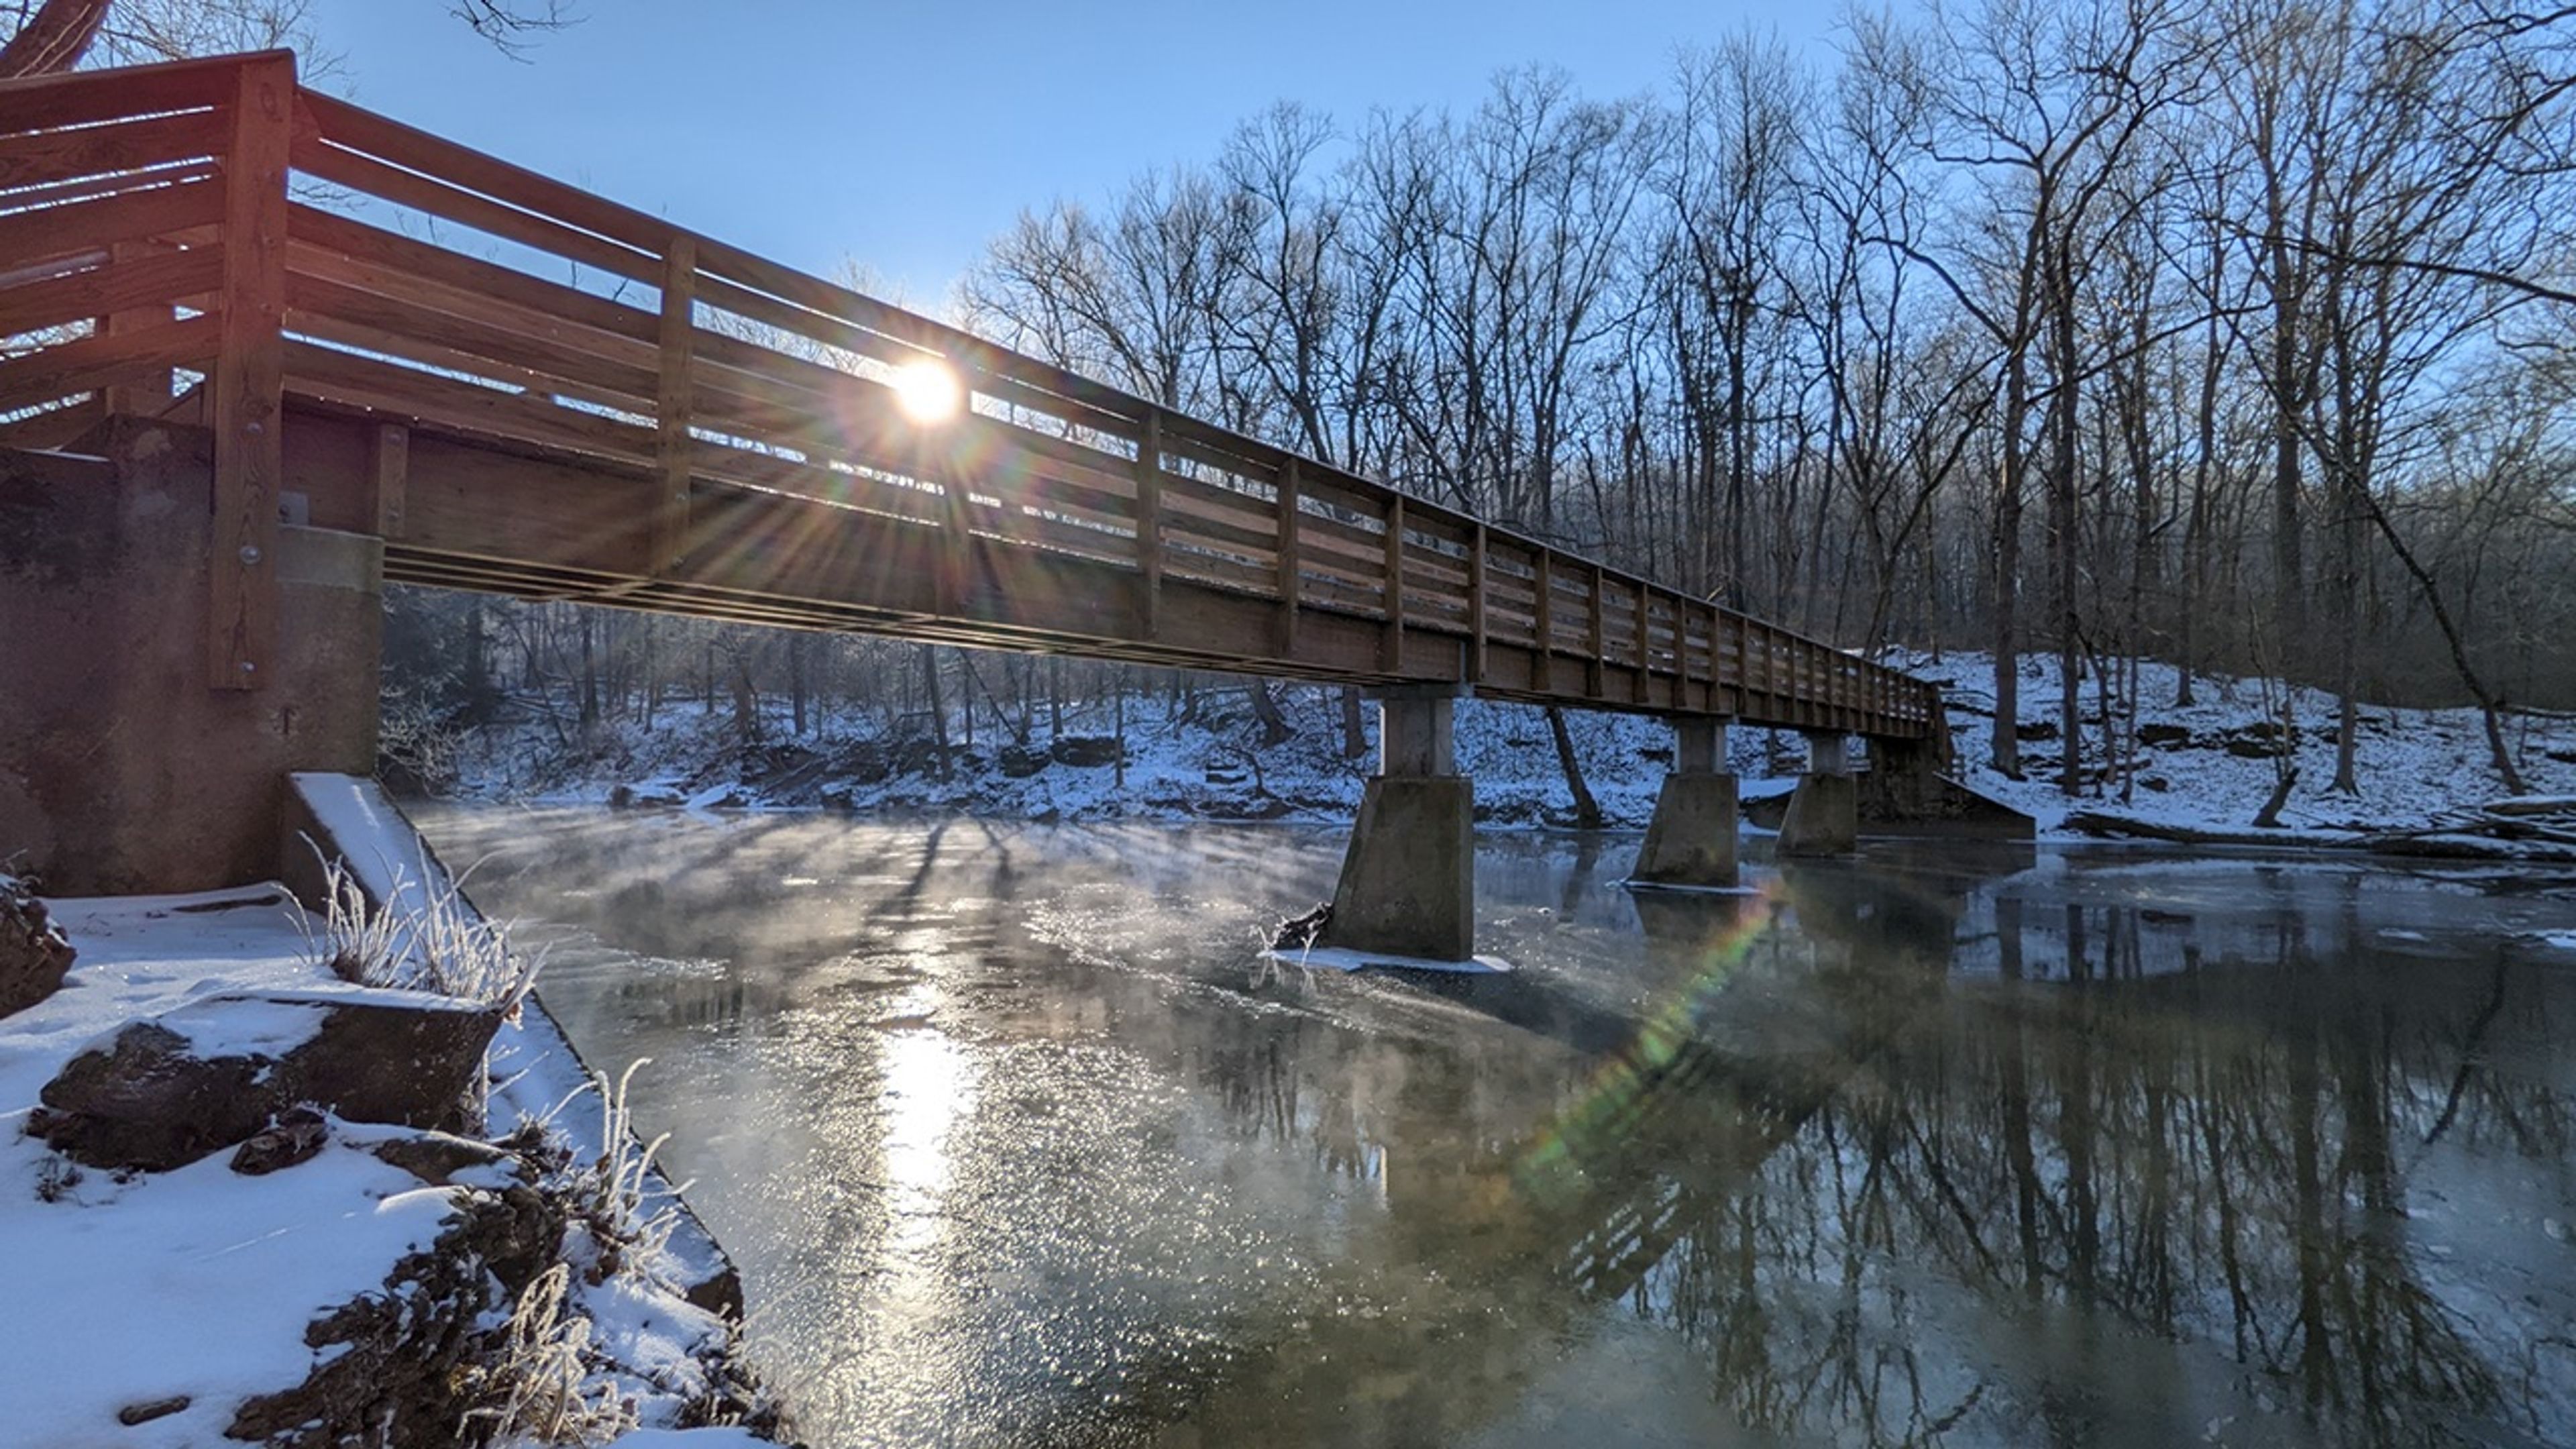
(365, 382)
(87, 97)
(347, 168)
(389, 474)
(95, 362)
(40, 158)
(669, 509)
(500, 340)
(479, 348)
(355, 130)
(348, 250)
(1149, 522)
(1394, 583)
(249, 377)
(28, 238)
(55, 427)
(150, 303)
(85, 188)
(133, 289)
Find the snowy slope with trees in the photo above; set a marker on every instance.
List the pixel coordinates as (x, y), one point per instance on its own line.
(2210, 765)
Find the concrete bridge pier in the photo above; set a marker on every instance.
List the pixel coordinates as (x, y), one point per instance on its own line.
(121, 770)
(1408, 885)
(1824, 813)
(1691, 840)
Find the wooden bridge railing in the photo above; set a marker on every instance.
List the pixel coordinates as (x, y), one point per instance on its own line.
(212, 223)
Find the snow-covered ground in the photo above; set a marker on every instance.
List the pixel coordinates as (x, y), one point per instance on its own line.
(175, 1297)
(1210, 766)
(2414, 767)
(2205, 769)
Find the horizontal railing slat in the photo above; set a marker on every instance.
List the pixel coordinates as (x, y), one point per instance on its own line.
(120, 285)
(40, 158)
(104, 360)
(29, 237)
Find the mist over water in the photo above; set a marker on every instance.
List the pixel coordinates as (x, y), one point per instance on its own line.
(1018, 1140)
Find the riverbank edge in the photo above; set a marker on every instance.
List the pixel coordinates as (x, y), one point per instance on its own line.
(658, 1329)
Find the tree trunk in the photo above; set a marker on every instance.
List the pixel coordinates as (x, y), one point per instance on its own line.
(2006, 740)
(2064, 575)
(796, 645)
(1587, 811)
(589, 673)
(746, 700)
(938, 709)
(1274, 725)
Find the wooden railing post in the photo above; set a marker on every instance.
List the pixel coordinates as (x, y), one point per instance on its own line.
(667, 526)
(1543, 618)
(1291, 589)
(1594, 646)
(1645, 642)
(1394, 659)
(150, 393)
(389, 473)
(249, 378)
(1149, 520)
(1476, 577)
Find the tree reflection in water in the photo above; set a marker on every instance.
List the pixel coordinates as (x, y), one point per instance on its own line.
(2226, 1153)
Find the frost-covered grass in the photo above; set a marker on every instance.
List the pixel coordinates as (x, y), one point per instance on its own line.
(441, 945)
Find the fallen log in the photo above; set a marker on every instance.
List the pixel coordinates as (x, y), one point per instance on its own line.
(2094, 822)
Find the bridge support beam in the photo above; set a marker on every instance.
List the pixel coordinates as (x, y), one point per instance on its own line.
(1824, 813)
(1408, 886)
(1691, 840)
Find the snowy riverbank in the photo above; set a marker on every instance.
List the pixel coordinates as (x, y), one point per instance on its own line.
(2210, 765)
(330, 1265)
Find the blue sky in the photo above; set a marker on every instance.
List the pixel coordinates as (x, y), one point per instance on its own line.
(903, 135)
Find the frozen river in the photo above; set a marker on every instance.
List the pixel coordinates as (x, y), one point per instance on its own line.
(1019, 1141)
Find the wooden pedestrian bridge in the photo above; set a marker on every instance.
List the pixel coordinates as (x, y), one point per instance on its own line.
(501, 382)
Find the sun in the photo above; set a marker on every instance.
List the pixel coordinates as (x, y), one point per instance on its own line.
(928, 390)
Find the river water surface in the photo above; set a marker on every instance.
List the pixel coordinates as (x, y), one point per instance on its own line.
(1018, 1140)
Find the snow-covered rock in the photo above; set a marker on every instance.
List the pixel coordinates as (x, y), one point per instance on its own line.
(163, 1092)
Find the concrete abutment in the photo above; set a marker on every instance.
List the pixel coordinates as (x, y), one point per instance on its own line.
(120, 771)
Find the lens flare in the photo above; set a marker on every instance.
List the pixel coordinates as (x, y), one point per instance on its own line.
(928, 391)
